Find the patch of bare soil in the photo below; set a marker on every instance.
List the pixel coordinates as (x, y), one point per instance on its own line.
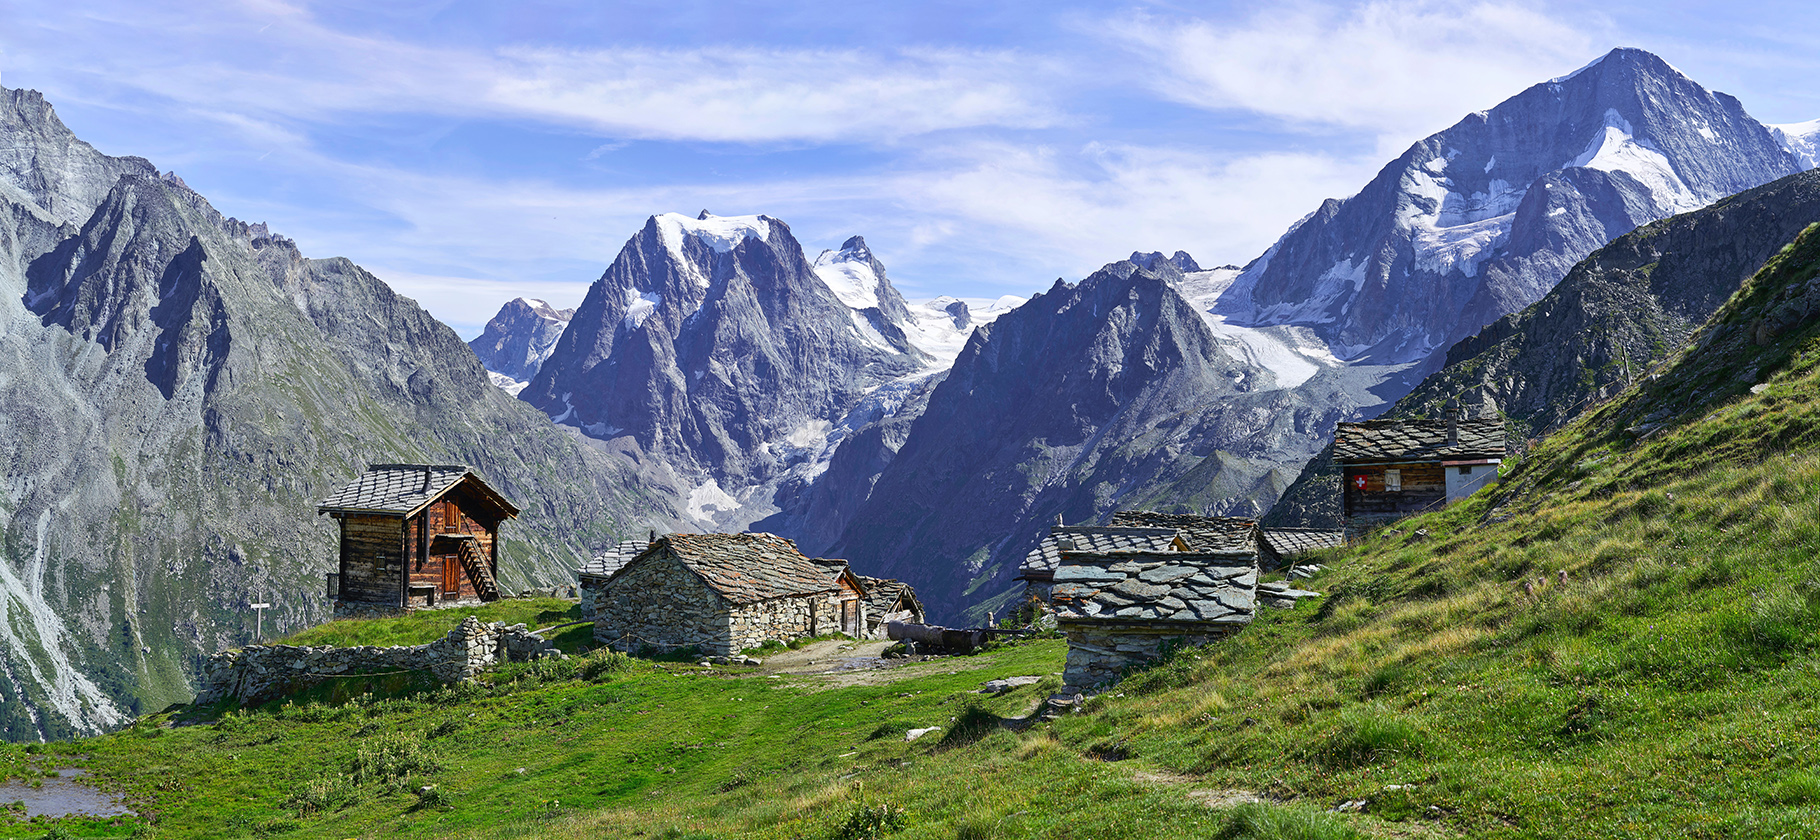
(837, 664)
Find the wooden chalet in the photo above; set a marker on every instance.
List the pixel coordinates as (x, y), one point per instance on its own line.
(416, 536)
(1395, 468)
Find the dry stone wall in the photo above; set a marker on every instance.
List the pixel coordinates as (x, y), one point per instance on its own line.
(1099, 653)
(259, 673)
(784, 619)
(659, 604)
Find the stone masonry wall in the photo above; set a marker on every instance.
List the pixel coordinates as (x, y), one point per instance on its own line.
(658, 603)
(1099, 653)
(784, 619)
(258, 673)
(593, 588)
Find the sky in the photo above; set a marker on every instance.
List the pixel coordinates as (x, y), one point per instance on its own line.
(470, 152)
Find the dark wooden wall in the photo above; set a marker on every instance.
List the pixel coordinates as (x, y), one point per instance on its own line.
(372, 558)
(1424, 488)
(457, 512)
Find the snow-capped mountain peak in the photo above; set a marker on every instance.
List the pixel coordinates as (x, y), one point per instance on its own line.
(1801, 140)
(721, 233)
(850, 273)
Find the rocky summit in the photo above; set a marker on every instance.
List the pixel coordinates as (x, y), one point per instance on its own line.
(1484, 218)
(180, 389)
(518, 339)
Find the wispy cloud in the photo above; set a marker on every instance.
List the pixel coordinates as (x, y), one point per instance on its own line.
(1061, 206)
(1402, 69)
(275, 62)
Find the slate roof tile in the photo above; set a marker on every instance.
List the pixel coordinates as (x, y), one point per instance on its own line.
(401, 489)
(748, 568)
(613, 559)
(1381, 440)
(1290, 542)
(1087, 587)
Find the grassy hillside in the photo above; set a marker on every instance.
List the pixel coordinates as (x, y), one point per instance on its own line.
(1623, 640)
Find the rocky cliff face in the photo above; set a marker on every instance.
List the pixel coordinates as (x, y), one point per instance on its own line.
(1484, 218)
(1116, 392)
(516, 341)
(179, 390)
(717, 347)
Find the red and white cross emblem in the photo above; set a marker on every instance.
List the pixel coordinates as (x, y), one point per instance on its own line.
(1358, 481)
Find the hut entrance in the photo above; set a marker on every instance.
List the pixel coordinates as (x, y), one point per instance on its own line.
(446, 552)
(849, 617)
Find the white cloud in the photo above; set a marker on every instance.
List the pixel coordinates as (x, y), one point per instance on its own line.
(276, 62)
(1403, 69)
(1070, 208)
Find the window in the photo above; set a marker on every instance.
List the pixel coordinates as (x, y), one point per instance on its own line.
(1393, 480)
(1466, 470)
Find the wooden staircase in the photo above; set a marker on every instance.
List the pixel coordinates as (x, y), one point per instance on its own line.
(478, 570)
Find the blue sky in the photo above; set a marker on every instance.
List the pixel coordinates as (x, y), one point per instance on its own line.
(471, 152)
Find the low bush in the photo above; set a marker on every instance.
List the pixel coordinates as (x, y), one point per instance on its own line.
(869, 822)
(1256, 821)
(1368, 736)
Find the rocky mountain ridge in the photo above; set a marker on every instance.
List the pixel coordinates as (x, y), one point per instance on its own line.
(179, 390)
(518, 339)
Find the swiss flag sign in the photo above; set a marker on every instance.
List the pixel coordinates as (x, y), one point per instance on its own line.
(1358, 481)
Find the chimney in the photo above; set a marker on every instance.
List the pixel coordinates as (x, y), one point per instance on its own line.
(426, 479)
(651, 540)
(1058, 520)
(1453, 423)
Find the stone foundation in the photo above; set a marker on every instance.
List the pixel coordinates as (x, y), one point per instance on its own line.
(1100, 653)
(258, 673)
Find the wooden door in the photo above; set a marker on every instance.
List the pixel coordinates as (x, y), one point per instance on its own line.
(451, 570)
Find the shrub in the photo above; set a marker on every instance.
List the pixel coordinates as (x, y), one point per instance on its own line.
(323, 794)
(391, 759)
(868, 822)
(601, 663)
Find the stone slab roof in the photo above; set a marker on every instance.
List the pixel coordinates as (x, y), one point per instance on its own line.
(1213, 534)
(1047, 554)
(1289, 542)
(404, 489)
(748, 568)
(1417, 440)
(1165, 587)
(883, 593)
(613, 559)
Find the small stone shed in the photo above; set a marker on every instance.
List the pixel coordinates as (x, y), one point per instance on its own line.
(593, 576)
(722, 593)
(889, 600)
(1396, 468)
(416, 536)
(1279, 547)
(1125, 607)
(1127, 530)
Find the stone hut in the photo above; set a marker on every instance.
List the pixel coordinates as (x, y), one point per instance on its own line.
(722, 593)
(416, 536)
(889, 600)
(1128, 530)
(1396, 468)
(1279, 547)
(593, 576)
(1123, 607)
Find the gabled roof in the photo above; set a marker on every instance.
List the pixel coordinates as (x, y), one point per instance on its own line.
(1417, 440)
(1176, 587)
(884, 593)
(1216, 534)
(405, 489)
(748, 568)
(1289, 542)
(1047, 554)
(613, 559)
